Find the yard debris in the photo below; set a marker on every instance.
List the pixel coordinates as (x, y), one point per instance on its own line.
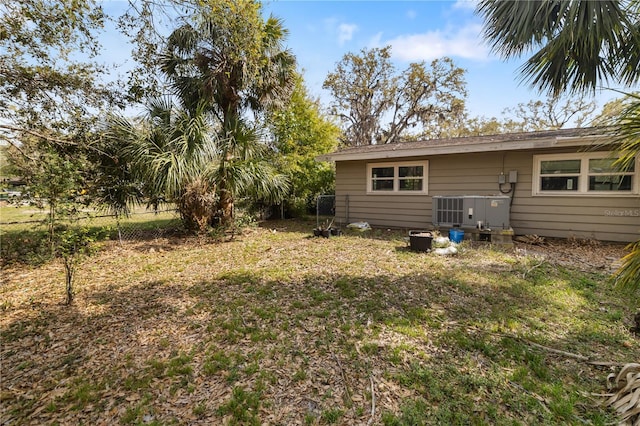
(584, 255)
(344, 377)
(359, 226)
(577, 357)
(446, 251)
(530, 239)
(537, 265)
(444, 246)
(441, 242)
(625, 398)
(373, 402)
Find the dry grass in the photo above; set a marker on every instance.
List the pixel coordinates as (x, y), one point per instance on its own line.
(277, 327)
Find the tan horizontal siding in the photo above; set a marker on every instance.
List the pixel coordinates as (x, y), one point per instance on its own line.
(588, 222)
(622, 222)
(388, 210)
(471, 188)
(594, 214)
(363, 206)
(601, 201)
(477, 174)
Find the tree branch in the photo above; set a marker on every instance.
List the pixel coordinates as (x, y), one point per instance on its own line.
(20, 150)
(36, 134)
(578, 357)
(373, 402)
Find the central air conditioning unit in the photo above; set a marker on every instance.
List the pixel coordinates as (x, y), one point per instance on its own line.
(467, 211)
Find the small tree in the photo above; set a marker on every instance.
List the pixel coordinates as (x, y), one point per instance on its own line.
(301, 133)
(71, 245)
(54, 177)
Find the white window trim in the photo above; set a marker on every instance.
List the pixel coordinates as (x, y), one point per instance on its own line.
(396, 178)
(583, 177)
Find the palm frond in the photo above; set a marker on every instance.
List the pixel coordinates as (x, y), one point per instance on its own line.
(183, 41)
(578, 44)
(172, 147)
(630, 65)
(627, 277)
(159, 110)
(628, 132)
(116, 187)
(513, 27)
(257, 180)
(274, 34)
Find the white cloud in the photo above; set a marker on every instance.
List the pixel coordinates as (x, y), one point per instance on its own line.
(340, 30)
(466, 4)
(345, 32)
(465, 42)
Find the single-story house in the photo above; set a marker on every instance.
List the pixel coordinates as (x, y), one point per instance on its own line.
(558, 183)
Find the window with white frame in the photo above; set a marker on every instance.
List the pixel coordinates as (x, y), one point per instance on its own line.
(397, 178)
(588, 173)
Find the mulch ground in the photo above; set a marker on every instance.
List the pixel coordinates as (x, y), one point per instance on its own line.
(585, 255)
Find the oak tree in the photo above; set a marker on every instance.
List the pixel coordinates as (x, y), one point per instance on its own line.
(50, 83)
(377, 105)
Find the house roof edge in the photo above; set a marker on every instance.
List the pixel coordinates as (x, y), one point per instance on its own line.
(467, 145)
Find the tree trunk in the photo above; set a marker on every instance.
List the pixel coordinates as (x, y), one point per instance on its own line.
(52, 218)
(230, 104)
(226, 206)
(119, 228)
(69, 271)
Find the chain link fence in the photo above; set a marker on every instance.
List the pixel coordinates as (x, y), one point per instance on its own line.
(325, 209)
(24, 230)
(138, 225)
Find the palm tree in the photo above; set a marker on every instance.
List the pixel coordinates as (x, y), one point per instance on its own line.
(578, 45)
(232, 62)
(113, 187)
(176, 156)
(170, 150)
(241, 170)
(628, 135)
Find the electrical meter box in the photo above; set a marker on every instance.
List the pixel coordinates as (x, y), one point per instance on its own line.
(472, 211)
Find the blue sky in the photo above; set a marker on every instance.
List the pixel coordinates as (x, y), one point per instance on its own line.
(321, 32)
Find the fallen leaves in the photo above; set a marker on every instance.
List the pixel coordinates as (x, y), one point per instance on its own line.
(164, 331)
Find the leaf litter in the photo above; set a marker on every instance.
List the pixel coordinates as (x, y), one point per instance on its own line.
(270, 328)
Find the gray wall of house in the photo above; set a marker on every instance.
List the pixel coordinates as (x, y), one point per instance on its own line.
(601, 218)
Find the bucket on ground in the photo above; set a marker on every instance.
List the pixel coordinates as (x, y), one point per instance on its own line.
(420, 240)
(456, 235)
